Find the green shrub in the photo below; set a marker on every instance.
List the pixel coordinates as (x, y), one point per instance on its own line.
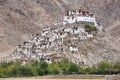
(64, 67)
(41, 72)
(90, 28)
(53, 68)
(117, 66)
(34, 72)
(104, 65)
(2, 76)
(73, 68)
(6, 64)
(26, 71)
(16, 72)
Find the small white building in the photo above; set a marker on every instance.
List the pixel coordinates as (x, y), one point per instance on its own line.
(33, 56)
(76, 30)
(19, 48)
(89, 35)
(52, 38)
(25, 50)
(44, 32)
(63, 35)
(68, 29)
(73, 16)
(18, 56)
(73, 48)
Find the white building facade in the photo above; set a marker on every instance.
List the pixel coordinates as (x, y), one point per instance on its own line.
(73, 16)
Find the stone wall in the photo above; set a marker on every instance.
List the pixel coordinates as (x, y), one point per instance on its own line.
(112, 77)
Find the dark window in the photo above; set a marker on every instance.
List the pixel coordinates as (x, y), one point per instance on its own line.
(48, 59)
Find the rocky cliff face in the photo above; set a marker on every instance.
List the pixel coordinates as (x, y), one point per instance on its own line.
(21, 18)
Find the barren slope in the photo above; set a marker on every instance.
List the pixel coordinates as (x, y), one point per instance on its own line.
(114, 30)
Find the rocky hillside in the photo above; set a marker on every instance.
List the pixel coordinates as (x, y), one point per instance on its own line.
(69, 41)
(21, 18)
(114, 30)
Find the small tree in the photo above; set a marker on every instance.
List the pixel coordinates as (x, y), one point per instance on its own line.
(53, 68)
(117, 66)
(73, 68)
(104, 67)
(40, 71)
(34, 72)
(25, 70)
(41, 67)
(64, 66)
(16, 72)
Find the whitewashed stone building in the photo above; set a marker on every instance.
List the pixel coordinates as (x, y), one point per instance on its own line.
(82, 16)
